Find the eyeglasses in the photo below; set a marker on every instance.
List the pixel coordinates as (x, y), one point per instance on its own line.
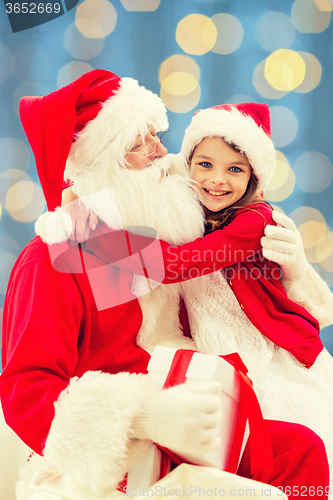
(151, 148)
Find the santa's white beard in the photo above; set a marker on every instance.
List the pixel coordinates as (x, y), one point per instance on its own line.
(141, 199)
(149, 198)
(138, 200)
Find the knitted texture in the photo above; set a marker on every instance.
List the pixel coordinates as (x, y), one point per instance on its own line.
(292, 392)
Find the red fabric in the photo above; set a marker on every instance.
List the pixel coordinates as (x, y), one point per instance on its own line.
(253, 279)
(50, 123)
(258, 112)
(300, 465)
(184, 319)
(52, 331)
(249, 409)
(300, 462)
(178, 368)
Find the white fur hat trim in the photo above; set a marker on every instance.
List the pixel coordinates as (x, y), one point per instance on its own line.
(238, 129)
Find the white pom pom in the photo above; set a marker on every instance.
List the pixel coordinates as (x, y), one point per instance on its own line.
(54, 227)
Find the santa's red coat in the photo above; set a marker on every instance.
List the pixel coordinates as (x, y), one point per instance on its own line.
(52, 332)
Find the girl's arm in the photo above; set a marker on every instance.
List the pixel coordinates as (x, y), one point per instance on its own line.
(237, 242)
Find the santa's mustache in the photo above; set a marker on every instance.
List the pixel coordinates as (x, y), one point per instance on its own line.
(153, 197)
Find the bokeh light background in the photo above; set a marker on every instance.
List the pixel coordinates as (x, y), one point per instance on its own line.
(194, 54)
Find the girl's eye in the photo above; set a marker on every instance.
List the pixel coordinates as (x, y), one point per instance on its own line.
(235, 169)
(206, 164)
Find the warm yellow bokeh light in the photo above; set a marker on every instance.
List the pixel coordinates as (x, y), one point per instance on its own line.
(312, 232)
(179, 83)
(96, 18)
(140, 5)
(180, 63)
(20, 195)
(279, 177)
(181, 104)
(196, 34)
(261, 84)
(284, 191)
(327, 264)
(282, 182)
(285, 69)
(25, 201)
(312, 74)
(324, 5)
(324, 247)
(13, 173)
(304, 214)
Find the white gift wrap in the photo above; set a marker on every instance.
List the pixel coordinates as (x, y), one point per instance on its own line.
(184, 482)
(205, 368)
(145, 472)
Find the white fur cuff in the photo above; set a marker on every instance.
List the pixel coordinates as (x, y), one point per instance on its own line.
(88, 439)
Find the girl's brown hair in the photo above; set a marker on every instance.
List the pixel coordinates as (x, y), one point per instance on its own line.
(218, 220)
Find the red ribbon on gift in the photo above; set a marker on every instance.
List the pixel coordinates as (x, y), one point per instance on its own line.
(261, 453)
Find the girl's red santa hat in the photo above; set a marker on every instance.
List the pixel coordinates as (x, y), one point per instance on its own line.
(87, 127)
(245, 125)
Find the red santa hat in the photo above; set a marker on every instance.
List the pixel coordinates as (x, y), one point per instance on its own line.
(99, 114)
(245, 125)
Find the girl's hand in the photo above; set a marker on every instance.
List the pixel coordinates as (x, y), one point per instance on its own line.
(283, 244)
(83, 220)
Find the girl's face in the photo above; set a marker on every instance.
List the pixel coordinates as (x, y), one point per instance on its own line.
(222, 173)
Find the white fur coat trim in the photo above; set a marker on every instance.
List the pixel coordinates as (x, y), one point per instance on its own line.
(88, 436)
(238, 129)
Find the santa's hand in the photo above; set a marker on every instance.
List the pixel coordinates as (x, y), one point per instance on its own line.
(185, 418)
(82, 219)
(283, 244)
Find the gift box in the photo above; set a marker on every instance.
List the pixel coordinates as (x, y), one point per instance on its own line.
(204, 368)
(240, 408)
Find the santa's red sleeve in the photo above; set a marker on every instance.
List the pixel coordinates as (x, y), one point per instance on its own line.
(53, 393)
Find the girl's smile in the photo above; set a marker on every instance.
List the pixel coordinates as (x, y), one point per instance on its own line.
(221, 172)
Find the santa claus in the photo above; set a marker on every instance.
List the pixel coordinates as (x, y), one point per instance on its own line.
(74, 384)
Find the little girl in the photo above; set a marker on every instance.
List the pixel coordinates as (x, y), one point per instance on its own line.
(244, 308)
